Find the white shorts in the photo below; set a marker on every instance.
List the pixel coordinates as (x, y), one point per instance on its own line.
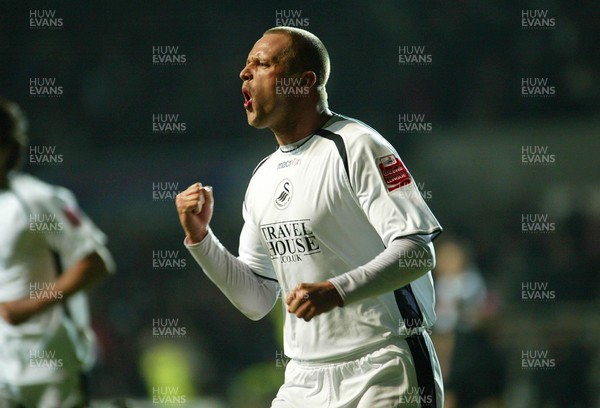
(405, 373)
(66, 394)
(40, 372)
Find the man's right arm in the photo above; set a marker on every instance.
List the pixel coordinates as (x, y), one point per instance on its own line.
(252, 294)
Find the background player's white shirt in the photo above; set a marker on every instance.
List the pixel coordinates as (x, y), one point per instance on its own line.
(41, 223)
(311, 215)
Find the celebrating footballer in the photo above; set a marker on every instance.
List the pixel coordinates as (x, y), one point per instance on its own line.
(334, 222)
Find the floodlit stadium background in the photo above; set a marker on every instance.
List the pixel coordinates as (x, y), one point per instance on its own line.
(477, 160)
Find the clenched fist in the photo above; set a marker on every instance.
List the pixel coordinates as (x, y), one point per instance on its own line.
(308, 300)
(195, 209)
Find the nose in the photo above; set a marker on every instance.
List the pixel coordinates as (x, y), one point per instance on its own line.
(246, 74)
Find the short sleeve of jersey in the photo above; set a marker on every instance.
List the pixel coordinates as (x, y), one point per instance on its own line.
(252, 251)
(386, 191)
(76, 236)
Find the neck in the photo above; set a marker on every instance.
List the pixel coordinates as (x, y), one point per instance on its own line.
(300, 125)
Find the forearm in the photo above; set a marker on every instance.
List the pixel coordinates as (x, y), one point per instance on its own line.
(251, 294)
(82, 275)
(405, 260)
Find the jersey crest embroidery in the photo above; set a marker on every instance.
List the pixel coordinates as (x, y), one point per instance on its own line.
(283, 194)
(393, 172)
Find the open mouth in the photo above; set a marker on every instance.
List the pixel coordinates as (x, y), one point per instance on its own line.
(247, 98)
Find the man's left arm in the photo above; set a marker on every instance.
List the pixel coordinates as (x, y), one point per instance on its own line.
(82, 257)
(395, 208)
(406, 259)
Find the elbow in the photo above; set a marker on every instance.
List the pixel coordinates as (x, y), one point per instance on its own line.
(429, 256)
(431, 251)
(95, 267)
(429, 264)
(256, 314)
(100, 263)
(263, 308)
(422, 259)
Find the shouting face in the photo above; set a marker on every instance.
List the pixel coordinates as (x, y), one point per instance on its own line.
(266, 62)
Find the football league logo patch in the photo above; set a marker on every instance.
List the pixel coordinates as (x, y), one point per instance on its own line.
(71, 215)
(393, 172)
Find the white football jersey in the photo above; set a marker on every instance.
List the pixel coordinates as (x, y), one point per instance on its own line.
(40, 227)
(327, 205)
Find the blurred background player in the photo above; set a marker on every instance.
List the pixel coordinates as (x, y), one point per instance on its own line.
(333, 221)
(474, 375)
(50, 252)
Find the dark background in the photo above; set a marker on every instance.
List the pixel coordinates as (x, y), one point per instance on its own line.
(470, 163)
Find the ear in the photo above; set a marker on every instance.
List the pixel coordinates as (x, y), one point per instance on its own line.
(309, 78)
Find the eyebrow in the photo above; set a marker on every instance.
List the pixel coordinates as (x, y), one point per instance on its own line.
(255, 58)
(273, 60)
